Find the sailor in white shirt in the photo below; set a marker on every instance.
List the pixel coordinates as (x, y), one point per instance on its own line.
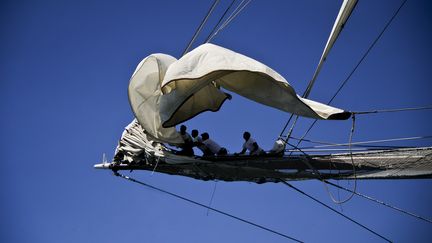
(278, 148)
(197, 141)
(211, 147)
(187, 145)
(251, 145)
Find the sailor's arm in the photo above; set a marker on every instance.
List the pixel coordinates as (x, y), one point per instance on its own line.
(255, 148)
(242, 152)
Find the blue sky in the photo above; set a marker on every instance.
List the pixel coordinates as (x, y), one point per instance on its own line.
(65, 67)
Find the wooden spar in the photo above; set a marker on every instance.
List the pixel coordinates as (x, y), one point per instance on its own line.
(368, 165)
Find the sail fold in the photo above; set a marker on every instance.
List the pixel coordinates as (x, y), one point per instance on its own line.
(193, 85)
(144, 97)
(164, 91)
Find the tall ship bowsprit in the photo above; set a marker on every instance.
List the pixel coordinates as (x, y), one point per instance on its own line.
(165, 92)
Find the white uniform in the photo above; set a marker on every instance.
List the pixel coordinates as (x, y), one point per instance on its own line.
(212, 145)
(199, 140)
(249, 146)
(186, 137)
(278, 147)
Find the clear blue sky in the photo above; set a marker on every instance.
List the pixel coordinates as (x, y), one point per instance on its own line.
(65, 67)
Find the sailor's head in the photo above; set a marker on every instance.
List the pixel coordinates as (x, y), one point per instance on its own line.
(182, 129)
(246, 135)
(204, 136)
(194, 133)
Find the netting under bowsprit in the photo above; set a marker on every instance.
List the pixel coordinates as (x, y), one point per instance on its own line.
(394, 163)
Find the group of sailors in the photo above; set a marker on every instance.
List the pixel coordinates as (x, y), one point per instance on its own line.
(210, 148)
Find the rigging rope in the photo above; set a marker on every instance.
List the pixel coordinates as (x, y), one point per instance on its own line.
(157, 163)
(358, 64)
(352, 163)
(200, 26)
(309, 86)
(332, 209)
(394, 110)
(220, 20)
(211, 199)
(368, 112)
(324, 55)
(292, 128)
(353, 169)
(326, 144)
(315, 171)
(368, 50)
(380, 202)
(204, 206)
(286, 125)
(233, 15)
(353, 166)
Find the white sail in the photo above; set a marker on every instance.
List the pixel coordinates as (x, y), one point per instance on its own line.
(191, 86)
(144, 97)
(134, 143)
(344, 13)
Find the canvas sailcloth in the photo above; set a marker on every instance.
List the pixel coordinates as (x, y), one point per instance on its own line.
(191, 86)
(144, 97)
(164, 92)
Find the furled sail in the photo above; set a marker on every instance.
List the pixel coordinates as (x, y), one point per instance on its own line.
(191, 86)
(135, 145)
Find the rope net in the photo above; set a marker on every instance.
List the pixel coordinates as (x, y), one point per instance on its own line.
(389, 163)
